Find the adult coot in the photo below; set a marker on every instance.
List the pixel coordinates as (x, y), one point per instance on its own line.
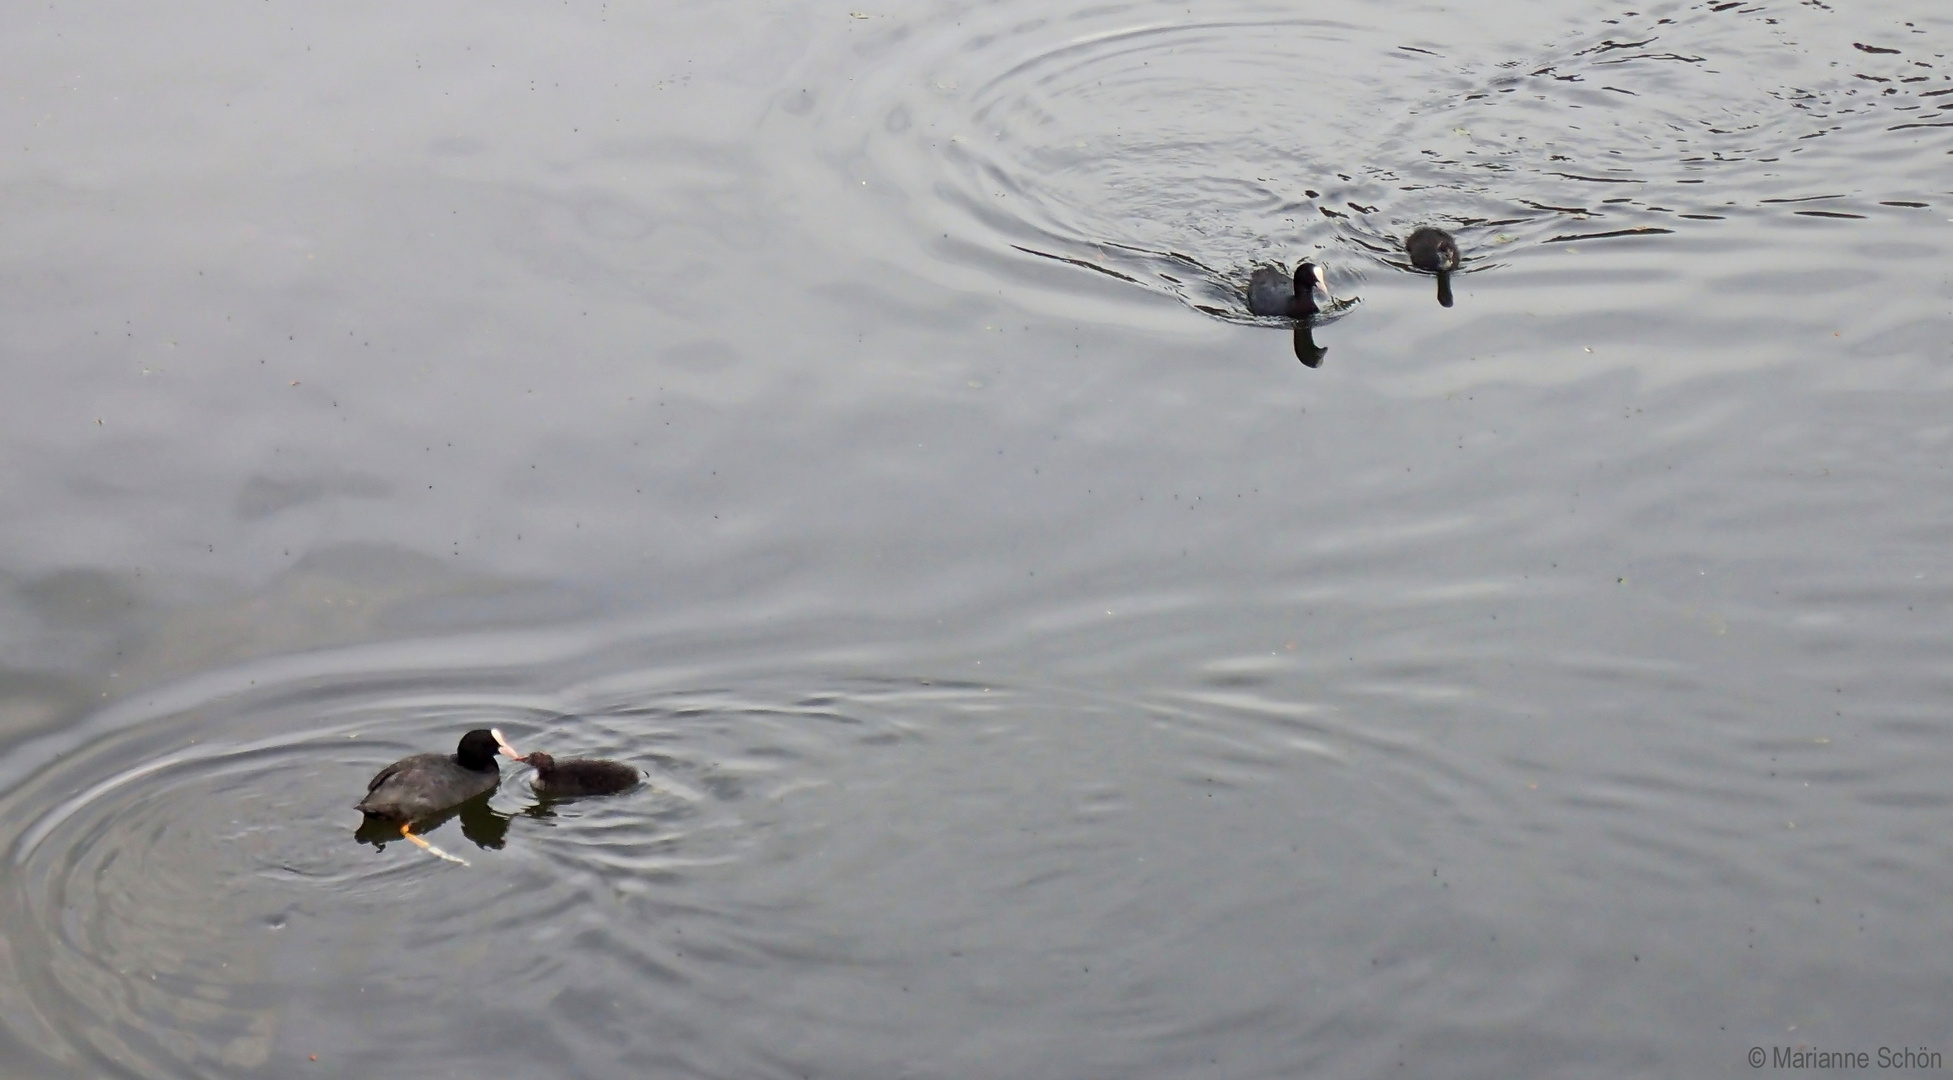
(579, 776)
(426, 784)
(1272, 291)
(1435, 251)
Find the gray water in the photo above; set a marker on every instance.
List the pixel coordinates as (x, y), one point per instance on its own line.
(849, 417)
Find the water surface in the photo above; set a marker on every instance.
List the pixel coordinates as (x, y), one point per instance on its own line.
(848, 417)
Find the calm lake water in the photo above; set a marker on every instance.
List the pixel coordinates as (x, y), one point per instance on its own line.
(849, 416)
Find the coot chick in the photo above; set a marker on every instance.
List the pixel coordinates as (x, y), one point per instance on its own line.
(1434, 250)
(579, 776)
(1272, 291)
(426, 784)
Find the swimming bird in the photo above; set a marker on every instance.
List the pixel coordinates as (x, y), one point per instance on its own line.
(1434, 250)
(426, 784)
(578, 776)
(1272, 291)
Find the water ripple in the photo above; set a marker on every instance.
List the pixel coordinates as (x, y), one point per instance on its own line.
(1175, 152)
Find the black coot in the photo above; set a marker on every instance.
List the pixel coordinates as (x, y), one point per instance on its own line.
(1273, 291)
(1435, 251)
(579, 776)
(1432, 249)
(426, 784)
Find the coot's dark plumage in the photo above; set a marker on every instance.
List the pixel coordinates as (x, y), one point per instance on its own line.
(1273, 291)
(579, 776)
(426, 784)
(1433, 250)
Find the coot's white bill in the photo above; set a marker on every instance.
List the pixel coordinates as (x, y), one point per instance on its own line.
(507, 750)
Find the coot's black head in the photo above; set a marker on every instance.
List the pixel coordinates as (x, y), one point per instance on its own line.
(477, 751)
(1433, 250)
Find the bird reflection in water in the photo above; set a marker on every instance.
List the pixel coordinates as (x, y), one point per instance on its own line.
(545, 805)
(1306, 349)
(483, 825)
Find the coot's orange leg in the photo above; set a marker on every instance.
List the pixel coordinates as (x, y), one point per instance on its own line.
(406, 831)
